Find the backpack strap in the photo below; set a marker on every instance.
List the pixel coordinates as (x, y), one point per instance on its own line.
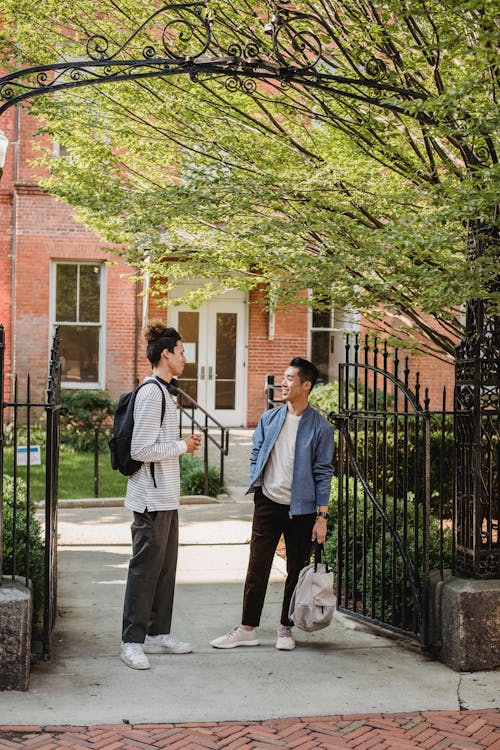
(163, 409)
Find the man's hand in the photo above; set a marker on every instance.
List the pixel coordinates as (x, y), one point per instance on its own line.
(319, 530)
(193, 442)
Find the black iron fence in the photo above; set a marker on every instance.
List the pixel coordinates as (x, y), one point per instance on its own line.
(20, 531)
(392, 492)
(395, 490)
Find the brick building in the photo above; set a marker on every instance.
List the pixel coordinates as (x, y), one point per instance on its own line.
(53, 270)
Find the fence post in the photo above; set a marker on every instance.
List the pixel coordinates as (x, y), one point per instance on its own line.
(96, 460)
(52, 410)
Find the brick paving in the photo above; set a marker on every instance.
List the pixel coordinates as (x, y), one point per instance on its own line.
(430, 730)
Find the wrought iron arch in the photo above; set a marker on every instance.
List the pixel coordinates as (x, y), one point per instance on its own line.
(184, 45)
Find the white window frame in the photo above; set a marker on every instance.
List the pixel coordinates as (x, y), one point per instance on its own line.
(349, 324)
(71, 384)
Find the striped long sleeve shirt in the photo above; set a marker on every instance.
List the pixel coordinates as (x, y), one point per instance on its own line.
(152, 441)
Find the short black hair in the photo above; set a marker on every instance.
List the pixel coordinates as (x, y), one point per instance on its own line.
(307, 371)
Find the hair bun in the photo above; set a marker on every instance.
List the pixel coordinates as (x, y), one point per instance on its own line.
(154, 330)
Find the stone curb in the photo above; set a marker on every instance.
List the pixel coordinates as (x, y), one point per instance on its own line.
(117, 502)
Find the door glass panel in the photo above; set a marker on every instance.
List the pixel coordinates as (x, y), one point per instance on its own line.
(80, 353)
(225, 362)
(189, 331)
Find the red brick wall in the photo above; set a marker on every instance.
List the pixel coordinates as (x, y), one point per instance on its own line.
(45, 231)
(271, 356)
(434, 374)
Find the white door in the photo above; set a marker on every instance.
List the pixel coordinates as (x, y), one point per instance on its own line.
(214, 341)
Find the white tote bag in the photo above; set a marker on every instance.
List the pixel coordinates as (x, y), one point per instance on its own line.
(313, 600)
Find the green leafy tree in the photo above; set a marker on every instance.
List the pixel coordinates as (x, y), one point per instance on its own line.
(364, 193)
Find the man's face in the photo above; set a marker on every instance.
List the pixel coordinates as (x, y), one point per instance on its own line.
(176, 360)
(291, 387)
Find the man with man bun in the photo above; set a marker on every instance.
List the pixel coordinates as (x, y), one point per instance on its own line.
(154, 499)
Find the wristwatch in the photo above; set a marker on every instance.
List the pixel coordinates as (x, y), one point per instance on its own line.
(322, 514)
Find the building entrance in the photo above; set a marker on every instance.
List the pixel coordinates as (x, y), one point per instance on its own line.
(214, 339)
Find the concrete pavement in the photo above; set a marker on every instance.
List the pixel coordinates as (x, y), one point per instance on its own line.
(340, 670)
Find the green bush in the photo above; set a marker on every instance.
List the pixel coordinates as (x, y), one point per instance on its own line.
(38, 434)
(84, 411)
(36, 541)
(325, 396)
(193, 477)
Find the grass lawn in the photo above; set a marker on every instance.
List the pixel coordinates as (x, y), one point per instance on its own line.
(76, 476)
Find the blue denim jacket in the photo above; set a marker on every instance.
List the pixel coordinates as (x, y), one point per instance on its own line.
(312, 469)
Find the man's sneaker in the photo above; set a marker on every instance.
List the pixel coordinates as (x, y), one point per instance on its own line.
(132, 654)
(285, 640)
(238, 636)
(165, 644)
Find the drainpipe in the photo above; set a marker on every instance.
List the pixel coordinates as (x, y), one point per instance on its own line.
(145, 291)
(271, 320)
(15, 175)
(136, 334)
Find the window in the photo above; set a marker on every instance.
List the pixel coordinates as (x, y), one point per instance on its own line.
(327, 333)
(78, 303)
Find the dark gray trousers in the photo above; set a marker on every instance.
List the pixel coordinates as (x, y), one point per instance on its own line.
(149, 596)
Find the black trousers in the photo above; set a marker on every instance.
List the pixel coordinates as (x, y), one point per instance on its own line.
(149, 596)
(270, 521)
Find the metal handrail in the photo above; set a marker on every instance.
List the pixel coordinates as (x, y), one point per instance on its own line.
(222, 445)
(270, 386)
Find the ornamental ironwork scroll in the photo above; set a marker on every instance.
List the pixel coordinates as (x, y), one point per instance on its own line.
(163, 44)
(179, 38)
(477, 434)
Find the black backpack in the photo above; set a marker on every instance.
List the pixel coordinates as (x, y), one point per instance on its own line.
(123, 426)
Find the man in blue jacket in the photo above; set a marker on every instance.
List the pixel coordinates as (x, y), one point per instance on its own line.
(290, 474)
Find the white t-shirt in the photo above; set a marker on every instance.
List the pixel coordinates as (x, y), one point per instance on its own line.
(278, 474)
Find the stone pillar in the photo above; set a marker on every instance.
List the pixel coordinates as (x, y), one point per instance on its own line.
(465, 622)
(16, 610)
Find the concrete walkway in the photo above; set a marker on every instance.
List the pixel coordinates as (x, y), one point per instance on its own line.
(338, 671)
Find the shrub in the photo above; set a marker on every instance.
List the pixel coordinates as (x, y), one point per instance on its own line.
(84, 411)
(377, 565)
(36, 541)
(193, 477)
(38, 434)
(325, 396)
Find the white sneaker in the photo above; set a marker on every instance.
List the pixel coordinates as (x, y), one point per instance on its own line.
(238, 636)
(132, 654)
(284, 641)
(165, 644)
